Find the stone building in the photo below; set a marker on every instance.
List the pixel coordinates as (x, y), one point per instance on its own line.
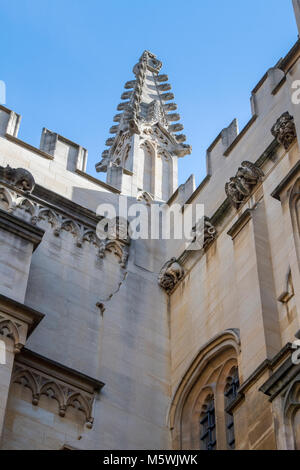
(122, 343)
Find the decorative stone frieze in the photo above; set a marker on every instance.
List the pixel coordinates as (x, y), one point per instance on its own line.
(67, 386)
(11, 201)
(17, 177)
(284, 130)
(171, 273)
(240, 187)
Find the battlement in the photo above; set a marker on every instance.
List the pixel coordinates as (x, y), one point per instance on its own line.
(266, 102)
(270, 98)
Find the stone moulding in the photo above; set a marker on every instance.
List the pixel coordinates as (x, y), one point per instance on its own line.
(15, 200)
(171, 273)
(286, 181)
(241, 186)
(68, 387)
(23, 229)
(284, 130)
(17, 321)
(240, 223)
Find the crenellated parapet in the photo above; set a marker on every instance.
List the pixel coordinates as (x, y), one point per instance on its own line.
(16, 186)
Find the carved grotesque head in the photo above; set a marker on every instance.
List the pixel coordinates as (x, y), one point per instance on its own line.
(18, 177)
(170, 275)
(284, 130)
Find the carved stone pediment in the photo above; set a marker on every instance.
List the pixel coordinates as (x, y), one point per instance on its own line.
(171, 273)
(240, 187)
(17, 177)
(284, 130)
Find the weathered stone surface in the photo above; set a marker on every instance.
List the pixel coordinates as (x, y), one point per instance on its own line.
(166, 360)
(284, 130)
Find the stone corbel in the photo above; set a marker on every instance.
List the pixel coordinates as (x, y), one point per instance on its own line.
(68, 387)
(170, 275)
(17, 321)
(284, 130)
(240, 187)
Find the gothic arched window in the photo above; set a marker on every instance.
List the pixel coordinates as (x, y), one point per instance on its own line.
(230, 392)
(208, 424)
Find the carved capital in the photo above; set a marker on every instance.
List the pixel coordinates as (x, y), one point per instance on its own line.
(284, 130)
(240, 187)
(171, 273)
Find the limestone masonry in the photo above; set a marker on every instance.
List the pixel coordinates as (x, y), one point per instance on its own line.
(122, 343)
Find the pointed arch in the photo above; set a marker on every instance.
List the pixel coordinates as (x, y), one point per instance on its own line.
(166, 174)
(294, 203)
(49, 215)
(291, 409)
(146, 168)
(77, 400)
(7, 200)
(8, 329)
(211, 362)
(26, 205)
(26, 379)
(52, 390)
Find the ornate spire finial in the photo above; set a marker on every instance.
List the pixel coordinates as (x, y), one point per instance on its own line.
(145, 116)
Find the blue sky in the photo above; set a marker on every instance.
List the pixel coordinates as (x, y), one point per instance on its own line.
(65, 63)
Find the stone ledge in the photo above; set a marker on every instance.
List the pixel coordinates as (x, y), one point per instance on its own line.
(286, 180)
(60, 371)
(240, 223)
(20, 312)
(70, 388)
(21, 228)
